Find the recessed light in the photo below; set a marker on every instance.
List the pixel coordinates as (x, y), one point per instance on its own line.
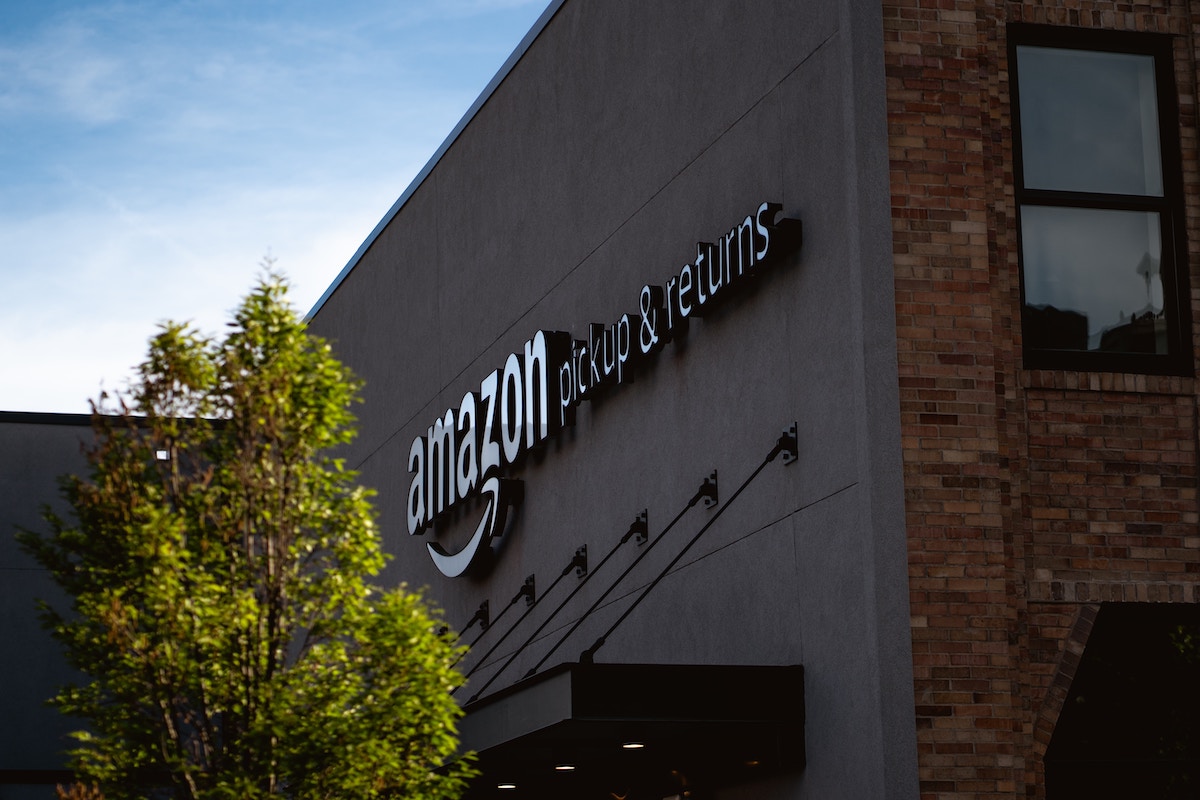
(565, 768)
(506, 786)
(633, 745)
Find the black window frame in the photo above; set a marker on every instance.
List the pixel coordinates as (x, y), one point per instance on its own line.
(1178, 360)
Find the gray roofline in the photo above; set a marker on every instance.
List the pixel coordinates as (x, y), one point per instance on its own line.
(44, 418)
(484, 96)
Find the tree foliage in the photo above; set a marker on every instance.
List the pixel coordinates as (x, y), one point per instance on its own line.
(220, 565)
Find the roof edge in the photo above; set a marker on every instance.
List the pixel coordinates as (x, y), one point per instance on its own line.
(44, 418)
(480, 101)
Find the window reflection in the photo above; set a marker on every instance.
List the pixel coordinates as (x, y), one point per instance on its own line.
(1093, 279)
(1089, 121)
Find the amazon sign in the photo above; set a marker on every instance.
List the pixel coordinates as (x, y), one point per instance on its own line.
(468, 451)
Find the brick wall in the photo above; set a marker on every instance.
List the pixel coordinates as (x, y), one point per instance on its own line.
(1032, 496)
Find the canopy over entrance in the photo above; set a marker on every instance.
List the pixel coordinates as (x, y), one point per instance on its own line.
(632, 731)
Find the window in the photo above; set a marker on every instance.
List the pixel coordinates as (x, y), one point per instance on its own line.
(1100, 201)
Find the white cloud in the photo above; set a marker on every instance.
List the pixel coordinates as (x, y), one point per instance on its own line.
(156, 152)
(100, 280)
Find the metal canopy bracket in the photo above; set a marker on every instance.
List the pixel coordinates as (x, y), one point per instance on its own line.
(579, 562)
(789, 445)
(483, 614)
(528, 590)
(639, 529)
(708, 491)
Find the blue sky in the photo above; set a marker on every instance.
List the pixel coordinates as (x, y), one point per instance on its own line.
(152, 152)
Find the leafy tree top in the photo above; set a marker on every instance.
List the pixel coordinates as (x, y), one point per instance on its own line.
(220, 567)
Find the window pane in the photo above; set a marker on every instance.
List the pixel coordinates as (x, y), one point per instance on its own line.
(1092, 279)
(1089, 121)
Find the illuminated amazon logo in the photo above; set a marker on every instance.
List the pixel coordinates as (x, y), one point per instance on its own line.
(468, 452)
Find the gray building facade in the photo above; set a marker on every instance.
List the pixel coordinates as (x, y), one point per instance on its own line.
(565, 211)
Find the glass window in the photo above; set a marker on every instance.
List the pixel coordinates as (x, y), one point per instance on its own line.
(1100, 201)
(1093, 278)
(1089, 121)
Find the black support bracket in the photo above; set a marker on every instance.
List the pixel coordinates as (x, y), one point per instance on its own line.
(708, 491)
(789, 445)
(579, 562)
(639, 529)
(528, 590)
(483, 615)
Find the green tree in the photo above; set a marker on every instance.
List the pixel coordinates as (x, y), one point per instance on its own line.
(219, 566)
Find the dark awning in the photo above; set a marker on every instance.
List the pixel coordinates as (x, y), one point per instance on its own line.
(635, 730)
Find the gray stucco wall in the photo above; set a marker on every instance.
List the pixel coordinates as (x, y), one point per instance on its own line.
(34, 450)
(627, 132)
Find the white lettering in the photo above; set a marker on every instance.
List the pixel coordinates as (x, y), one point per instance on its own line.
(463, 451)
(745, 246)
(512, 415)
(416, 489)
(440, 480)
(763, 221)
(685, 288)
(489, 450)
(468, 448)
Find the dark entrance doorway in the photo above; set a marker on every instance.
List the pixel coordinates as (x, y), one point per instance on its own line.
(1130, 726)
